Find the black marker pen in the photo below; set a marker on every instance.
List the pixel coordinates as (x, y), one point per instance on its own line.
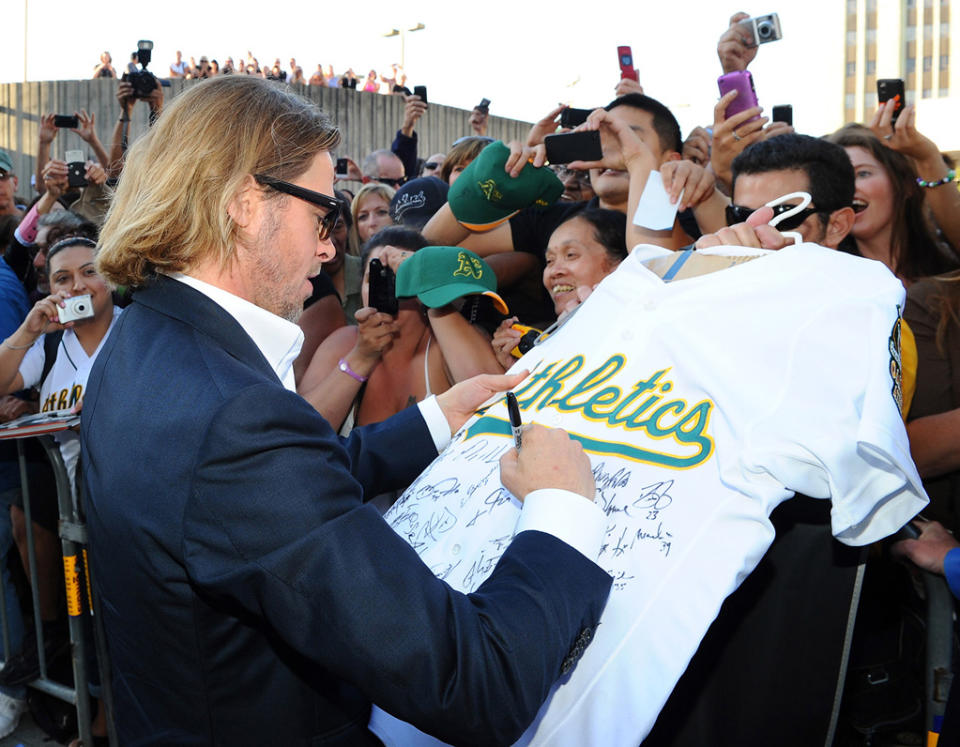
(516, 425)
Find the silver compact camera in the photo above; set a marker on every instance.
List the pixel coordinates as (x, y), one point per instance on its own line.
(760, 29)
(77, 307)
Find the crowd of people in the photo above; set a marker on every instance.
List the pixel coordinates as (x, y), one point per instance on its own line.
(324, 76)
(487, 251)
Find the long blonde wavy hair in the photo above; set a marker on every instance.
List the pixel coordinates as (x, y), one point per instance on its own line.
(169, 212)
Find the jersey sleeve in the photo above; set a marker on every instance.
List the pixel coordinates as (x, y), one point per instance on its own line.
(835, 430)
(31, 367)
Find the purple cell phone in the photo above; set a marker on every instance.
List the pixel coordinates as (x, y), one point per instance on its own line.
(742, 82)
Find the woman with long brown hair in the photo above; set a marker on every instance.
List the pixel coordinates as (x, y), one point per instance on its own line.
(892, 199)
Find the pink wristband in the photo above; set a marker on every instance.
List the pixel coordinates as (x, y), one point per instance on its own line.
(345, 367)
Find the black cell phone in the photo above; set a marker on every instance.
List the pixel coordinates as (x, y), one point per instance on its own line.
(342, 166)
(571, 117)
(420, 91)
(783, 113)
(484, 106)
(573, 146)
(891, 88)
(76, 174)
(383, 288)
(66, 120)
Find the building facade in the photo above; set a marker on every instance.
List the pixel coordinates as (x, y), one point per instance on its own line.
(912, 40)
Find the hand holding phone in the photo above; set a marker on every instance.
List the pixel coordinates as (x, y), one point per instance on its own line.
(526, 343)
(760, 30)
(892, 88)
(742, 82)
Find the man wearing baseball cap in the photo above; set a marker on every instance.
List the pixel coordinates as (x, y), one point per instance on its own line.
(8, 187)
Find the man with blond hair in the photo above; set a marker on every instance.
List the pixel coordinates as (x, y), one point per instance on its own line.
(249, 596)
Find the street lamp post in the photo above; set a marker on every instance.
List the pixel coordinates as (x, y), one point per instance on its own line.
(25, 9)
(402, 33)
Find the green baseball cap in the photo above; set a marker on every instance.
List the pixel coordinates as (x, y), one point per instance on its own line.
(485, 195)
(5, 163)
(438, 275)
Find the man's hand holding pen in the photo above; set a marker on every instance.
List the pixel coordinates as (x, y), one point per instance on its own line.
(549, 459)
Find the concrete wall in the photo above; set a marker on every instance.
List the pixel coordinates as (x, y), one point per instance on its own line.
(367, 121)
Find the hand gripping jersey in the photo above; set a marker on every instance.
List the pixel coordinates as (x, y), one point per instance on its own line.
(702, 404)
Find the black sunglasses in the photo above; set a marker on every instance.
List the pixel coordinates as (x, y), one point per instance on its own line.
(392, 182)
(739, 214)
(327, 222)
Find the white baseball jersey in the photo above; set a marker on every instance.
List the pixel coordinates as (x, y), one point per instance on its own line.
(64, 385)
(702, 404)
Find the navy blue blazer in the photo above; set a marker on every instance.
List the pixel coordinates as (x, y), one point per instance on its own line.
(250, 597)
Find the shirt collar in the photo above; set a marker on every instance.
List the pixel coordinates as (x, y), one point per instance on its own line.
(278, 339)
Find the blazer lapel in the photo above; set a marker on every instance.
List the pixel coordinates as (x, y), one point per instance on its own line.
(179, 301)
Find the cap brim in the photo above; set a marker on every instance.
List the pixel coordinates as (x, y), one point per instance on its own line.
(487, 226)
(443, 295)
(498, 302)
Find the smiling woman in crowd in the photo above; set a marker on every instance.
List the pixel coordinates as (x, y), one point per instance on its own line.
(581, 252)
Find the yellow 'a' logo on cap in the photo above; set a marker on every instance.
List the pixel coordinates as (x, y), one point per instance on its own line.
(489, 189)
(470, 267)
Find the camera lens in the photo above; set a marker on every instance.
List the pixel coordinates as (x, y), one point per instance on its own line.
(765, 29)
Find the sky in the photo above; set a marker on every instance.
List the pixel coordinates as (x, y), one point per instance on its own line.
(525, 57)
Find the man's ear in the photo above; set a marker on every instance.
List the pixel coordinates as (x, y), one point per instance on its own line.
(838, 226)
(16, 183)
(245, 202)
(670, 155)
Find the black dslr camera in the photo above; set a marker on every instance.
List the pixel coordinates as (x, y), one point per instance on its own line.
(143, 82)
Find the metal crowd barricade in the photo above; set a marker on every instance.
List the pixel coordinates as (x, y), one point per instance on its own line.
(73, 539)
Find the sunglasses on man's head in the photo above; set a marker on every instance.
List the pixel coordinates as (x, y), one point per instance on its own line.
(327, 222)
(739, 214)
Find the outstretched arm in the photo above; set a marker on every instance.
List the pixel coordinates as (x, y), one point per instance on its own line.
(904, 137)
